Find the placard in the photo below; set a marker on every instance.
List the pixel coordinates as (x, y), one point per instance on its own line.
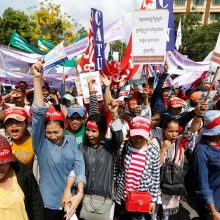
(84, 77)
(55, 56)
(149, 36)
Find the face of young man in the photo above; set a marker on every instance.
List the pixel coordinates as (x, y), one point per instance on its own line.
(75, 122)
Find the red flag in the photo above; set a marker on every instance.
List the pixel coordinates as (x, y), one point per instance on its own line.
(88, 62)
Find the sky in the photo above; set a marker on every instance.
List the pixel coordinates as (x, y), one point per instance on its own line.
(79, 10)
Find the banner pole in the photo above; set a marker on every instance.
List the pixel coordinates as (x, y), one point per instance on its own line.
(213, 81)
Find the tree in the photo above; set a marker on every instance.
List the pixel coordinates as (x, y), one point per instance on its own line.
(118, 46)
(197, 40)
(203, 41)
(52, 24)
(15, 20)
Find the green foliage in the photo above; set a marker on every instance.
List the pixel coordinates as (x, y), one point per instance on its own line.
(197, 40)
(120, 47)
(52, 24)
(15, 20)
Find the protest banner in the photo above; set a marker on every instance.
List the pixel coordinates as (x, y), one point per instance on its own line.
(84, 83)
(55, 57)
(44, 44)
(149, 34)
(13, 58)
(114, 31)
(180, 64)
(17, 41)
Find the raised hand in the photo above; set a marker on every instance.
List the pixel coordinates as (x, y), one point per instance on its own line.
(106, 80)
(36, 69)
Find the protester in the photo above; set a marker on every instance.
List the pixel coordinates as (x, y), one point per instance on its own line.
(75, 122)
(19, 194)
(98, 152)
(131, 171)
(206, 166)
(57, 154)
(15, 124)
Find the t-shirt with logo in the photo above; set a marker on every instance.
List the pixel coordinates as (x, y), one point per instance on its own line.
(79, 136)
(24, 152)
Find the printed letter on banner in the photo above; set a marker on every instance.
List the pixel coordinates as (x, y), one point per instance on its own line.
(98, 33)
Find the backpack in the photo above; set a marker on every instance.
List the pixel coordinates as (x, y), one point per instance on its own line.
(172, 178)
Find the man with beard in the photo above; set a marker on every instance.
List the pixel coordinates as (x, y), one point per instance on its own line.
(75, 121)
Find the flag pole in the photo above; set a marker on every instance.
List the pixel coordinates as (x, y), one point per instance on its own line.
(213, 81)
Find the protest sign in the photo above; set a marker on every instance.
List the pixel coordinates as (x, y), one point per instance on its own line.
(78, 86)
(149, 34)
(54, 57)
(84, 83)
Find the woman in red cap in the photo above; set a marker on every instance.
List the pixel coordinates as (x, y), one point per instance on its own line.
(57, 154)
(137, 170)
(20, 197)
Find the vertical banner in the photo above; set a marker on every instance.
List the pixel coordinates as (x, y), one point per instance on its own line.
(168, 4)
(98, 34)
(149, 31)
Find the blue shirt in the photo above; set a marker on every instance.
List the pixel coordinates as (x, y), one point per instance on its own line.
(206, 165)
(55, 162)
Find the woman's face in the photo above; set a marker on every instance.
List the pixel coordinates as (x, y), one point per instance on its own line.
(4, 168)
(138, 141)
(121, 111)
(54, 133)
(15, 129)
(93, 136)
(155, 120)
(165, 94)
(171, 132)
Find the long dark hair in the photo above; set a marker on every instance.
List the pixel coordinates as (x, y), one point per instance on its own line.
(100, 120)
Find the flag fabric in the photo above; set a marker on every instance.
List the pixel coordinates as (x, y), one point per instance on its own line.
(88, 63)
(216, 53)
(179, 36)
(44, 44)
(148, 4)
(17, 41)
(168, 4)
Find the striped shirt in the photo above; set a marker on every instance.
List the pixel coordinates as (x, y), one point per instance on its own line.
(135, 170)
(150, 177)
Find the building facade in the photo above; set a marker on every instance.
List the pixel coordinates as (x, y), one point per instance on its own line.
(209, 9)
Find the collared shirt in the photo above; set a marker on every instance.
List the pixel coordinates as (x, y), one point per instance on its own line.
(55, 162)
(99, 163)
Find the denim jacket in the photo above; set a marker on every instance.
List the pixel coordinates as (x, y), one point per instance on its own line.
(55, 162)
(206, 165)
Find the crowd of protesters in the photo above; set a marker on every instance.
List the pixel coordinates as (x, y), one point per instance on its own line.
(107, 159)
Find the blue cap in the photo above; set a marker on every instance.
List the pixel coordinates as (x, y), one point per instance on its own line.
(75, 109)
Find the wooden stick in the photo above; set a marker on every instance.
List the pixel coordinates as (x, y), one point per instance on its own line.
(147, 75)
(213, 81)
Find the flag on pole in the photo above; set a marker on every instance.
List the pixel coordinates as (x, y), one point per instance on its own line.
(216, 53)
(178, 36)
(17, 41)
(44, 44)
